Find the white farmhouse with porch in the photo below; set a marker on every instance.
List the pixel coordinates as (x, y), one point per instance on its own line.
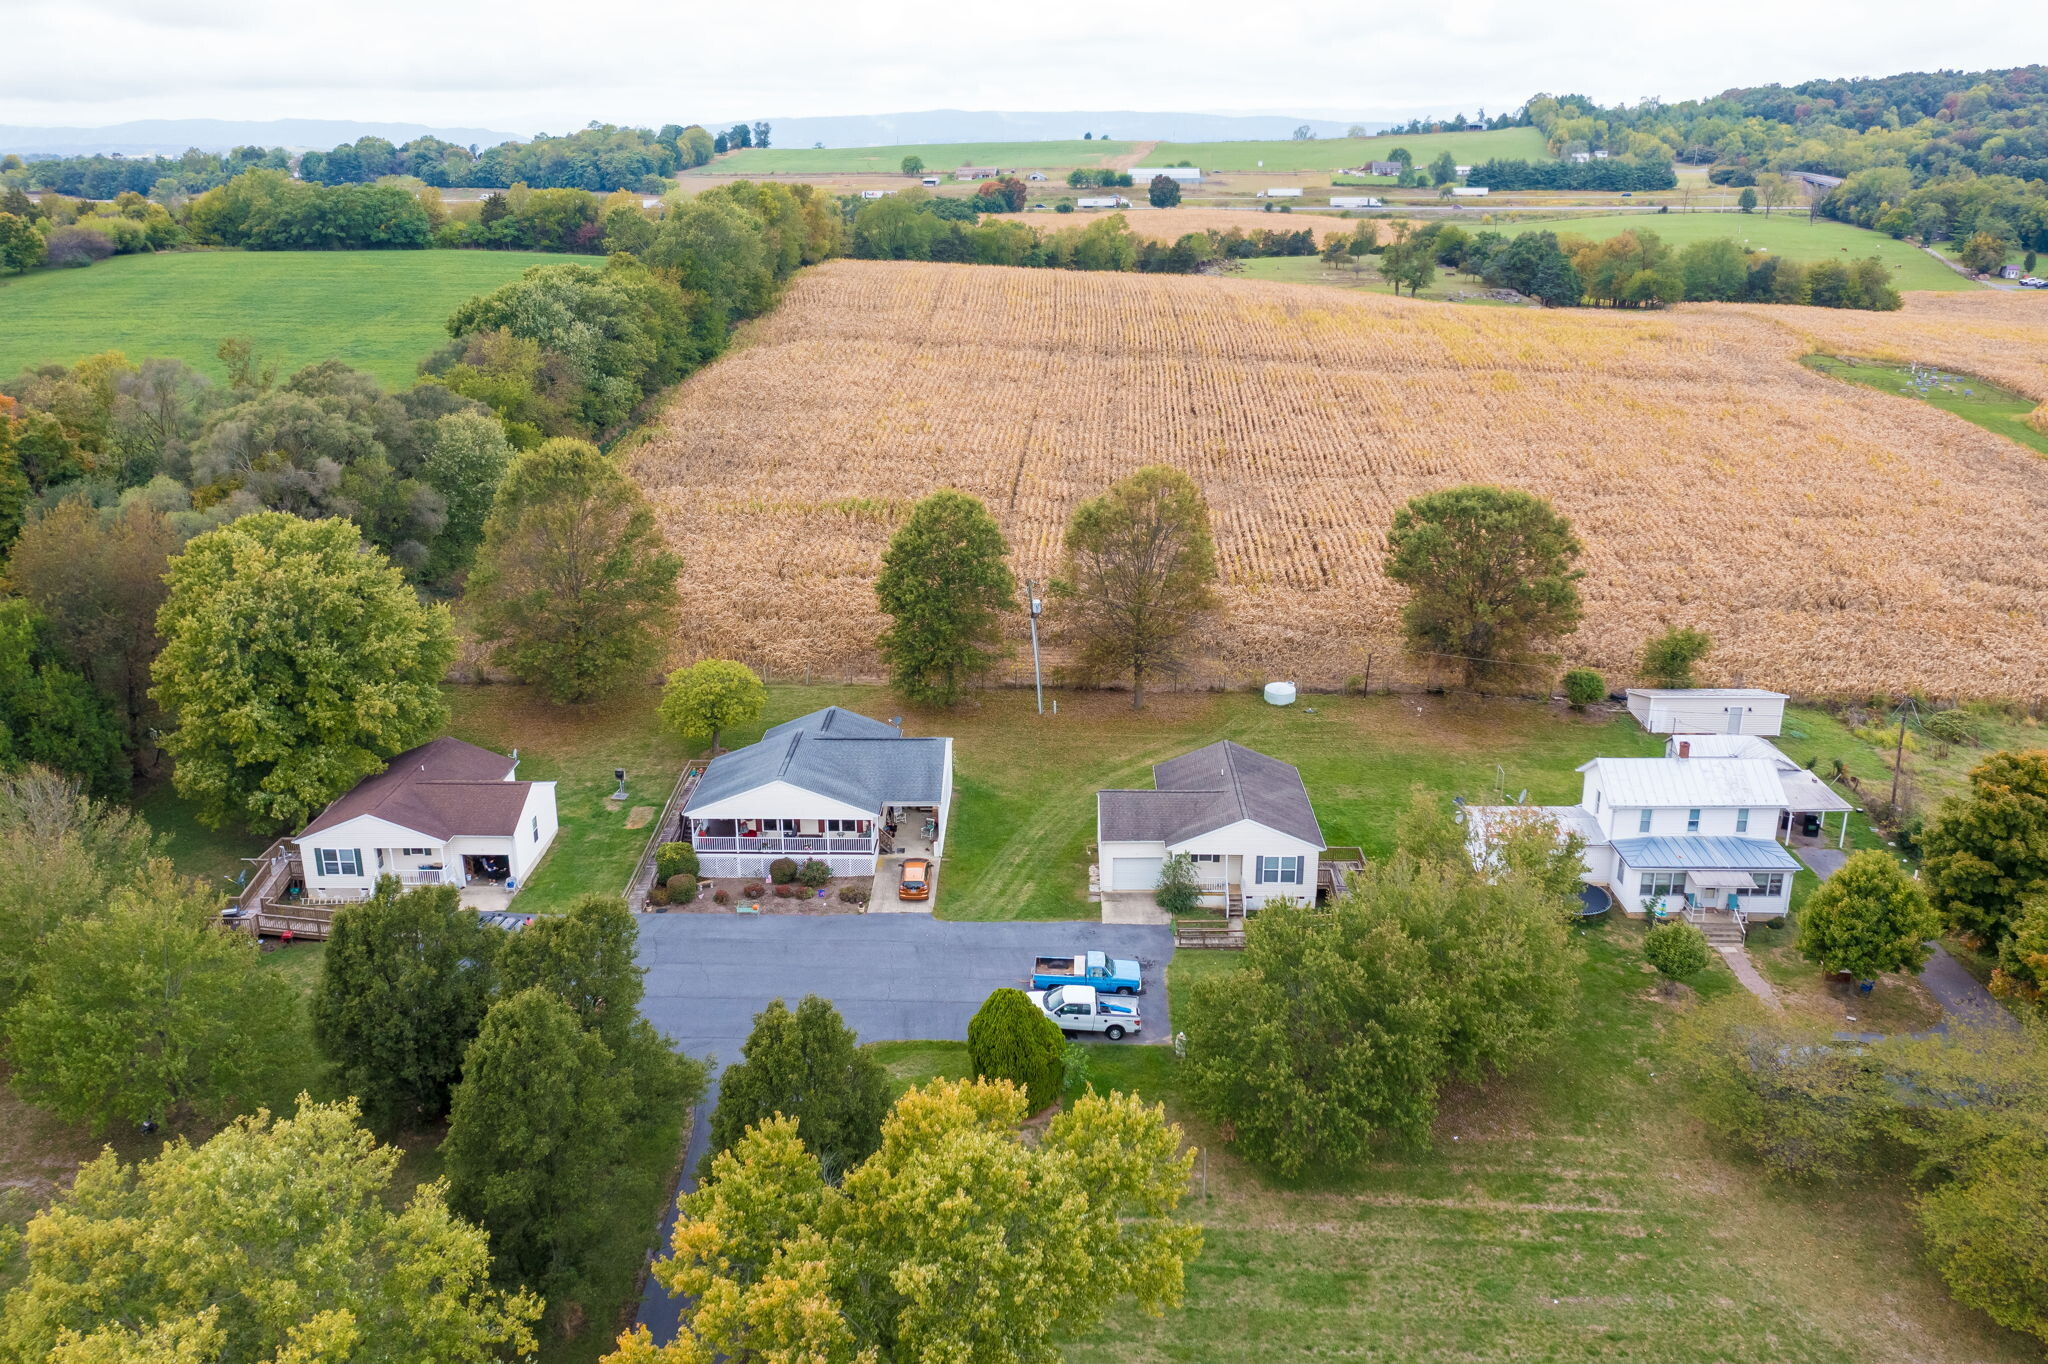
(1242, 818)
(1687, 835)
(1808, 800)
(829, 785)
(1708, 710)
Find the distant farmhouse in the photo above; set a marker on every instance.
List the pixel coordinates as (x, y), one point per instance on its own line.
(1384, 168)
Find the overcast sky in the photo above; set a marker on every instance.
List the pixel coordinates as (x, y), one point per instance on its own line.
(524, 66)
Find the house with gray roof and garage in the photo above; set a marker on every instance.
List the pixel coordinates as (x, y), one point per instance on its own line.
(832, 785)
(1242, 818)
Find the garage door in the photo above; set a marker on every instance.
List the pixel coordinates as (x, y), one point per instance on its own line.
(1135, 873)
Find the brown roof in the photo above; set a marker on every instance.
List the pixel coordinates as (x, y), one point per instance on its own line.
(445, 789)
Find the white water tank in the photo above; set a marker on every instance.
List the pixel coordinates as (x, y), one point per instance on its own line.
(1279, 693)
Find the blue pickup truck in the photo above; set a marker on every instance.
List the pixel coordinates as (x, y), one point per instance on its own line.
(1117, 976)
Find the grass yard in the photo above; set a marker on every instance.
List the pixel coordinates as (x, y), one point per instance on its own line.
(939, 158)
(380, 311)
(1788, 234)
(1341, 153)
(1447, 288)
(1574, 1212)
(1977, 400)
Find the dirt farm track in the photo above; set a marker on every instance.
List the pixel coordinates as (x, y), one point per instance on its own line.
(1833, 539)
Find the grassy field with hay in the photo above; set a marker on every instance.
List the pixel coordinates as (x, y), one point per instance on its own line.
(1340, 153)
(380, 311)
(940, 158)
(1829, 537)
(1787, 234)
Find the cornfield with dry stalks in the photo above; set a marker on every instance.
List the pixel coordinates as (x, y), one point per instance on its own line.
(1832, 539)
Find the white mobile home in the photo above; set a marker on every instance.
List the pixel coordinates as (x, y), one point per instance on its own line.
(1242, 818)
(1355, 201)
(1708, 710)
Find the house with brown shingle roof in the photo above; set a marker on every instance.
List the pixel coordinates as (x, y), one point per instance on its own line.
(445, 813)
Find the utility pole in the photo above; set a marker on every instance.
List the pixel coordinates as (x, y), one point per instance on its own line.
(1037, 609)
(1899, 756)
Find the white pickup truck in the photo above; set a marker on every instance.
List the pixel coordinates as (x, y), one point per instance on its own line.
(1078, 1008)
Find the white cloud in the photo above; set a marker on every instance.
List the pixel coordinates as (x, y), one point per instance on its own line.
(523, 65)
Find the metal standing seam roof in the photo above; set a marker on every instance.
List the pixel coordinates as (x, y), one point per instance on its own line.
(834, 753)
(443, 789)
(1664, 783)
(1710, 693)
(1211, 788)
(1703, 852)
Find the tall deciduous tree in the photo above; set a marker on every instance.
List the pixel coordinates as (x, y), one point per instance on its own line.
(956, 1240)
(572, 586)
(1139, 575)
(806, 1065)
(1489, 576)
(1163, 191)
(274, 1240)
(295, 661)
(1010, 1038)
(709, 697)
(465, 461)
(148, 1011)
(1987, 850)
(945, 586)
(49, 713)
(404, 984)
(585, 959)
(532, 1131)
(1867, 919)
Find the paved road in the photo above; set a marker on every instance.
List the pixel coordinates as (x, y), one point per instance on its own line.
(892, 977)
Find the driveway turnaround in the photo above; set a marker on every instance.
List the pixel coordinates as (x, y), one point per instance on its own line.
(893, 977)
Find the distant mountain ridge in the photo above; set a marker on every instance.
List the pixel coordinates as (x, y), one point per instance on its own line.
(963, 125)
(170, 136)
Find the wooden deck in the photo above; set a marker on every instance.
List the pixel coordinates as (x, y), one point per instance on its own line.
(262, 907)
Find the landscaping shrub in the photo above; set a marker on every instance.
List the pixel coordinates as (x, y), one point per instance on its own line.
(1677, 950)
(723, 897)
(786, 892)
(1953, 727)
(659, 895)
(855, 894)
(782, 870)
(1179, 891)
(813, 873)
(1583, 686)
(682, 886)
(1669, 659)
(1010, 1039)
(752, 890)
(674, 859)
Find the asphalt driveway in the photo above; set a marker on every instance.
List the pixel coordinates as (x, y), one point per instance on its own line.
(893, 977)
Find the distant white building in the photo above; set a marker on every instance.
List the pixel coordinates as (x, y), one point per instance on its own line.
(1708, 710)
(1144, 175)
(1355, 201)
(1463, 171)
(1581, 158)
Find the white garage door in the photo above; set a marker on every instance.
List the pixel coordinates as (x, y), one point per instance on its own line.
(1135, 873)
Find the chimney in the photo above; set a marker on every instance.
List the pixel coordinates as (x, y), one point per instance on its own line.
(1685, 748)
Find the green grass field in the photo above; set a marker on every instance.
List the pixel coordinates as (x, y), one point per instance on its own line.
(1572, 1212)
(380, 311)
(939, 158)
(1339, 153)
(1977, 400)
(1787, 234)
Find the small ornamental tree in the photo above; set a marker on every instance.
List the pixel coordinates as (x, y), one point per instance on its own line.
(674, 859)
(1179, 892)
(709, 697)
(1010, 1038)
(1987, 851)
(1583, 686)
(1489, 577)
(810, 1066)
(1669, 659)
(945, 585)
(1746, 201)
(1867, 919)
(1163, 191)
(1677, 950)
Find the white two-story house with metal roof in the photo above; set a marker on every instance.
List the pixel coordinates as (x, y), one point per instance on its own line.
(1693, 835)
(832, 785)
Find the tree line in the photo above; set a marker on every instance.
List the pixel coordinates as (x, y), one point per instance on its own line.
(1611, 173)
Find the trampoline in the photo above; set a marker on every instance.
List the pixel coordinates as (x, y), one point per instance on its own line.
(1593, 902)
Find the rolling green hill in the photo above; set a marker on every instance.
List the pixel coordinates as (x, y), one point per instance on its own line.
(1333, 154)
(938, 158)
(380, 311)
(1788, 234)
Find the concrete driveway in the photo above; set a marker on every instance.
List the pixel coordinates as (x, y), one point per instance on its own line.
(893, 977)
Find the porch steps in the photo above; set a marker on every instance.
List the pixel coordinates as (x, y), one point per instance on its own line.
(1721, 931)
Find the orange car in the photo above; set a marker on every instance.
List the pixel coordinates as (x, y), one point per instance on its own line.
(914, 882)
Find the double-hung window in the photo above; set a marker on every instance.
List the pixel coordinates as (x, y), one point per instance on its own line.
(1643, 820)
(1742, 821)
(338, 861)
(1692, 821)
(1279, 871)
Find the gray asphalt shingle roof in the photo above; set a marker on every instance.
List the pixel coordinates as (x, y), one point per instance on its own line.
(1208, 789)
(837, 754)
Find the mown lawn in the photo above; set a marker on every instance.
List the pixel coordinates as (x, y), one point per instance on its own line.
(1995, 409)
(380, 311)
(1574, 1212)
(939, 159)
(1339, 153)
